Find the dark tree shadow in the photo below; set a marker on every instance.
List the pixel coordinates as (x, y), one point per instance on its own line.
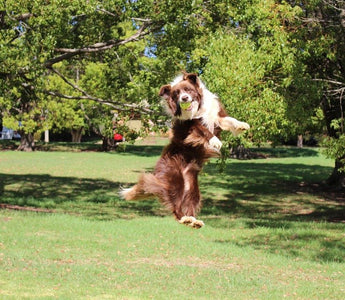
(95, 198)
(321, 247)
(287, 152)
(253, 190)
(285, 198)
(266, 194)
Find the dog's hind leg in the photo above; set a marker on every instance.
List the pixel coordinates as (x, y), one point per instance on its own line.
(191, 222)
(187, 220)
(190, 203)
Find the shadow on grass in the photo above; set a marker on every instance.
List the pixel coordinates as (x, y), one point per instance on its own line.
(287, 152)
(95, 198)
(265, 191)
(247, 196)
(312, 245)
(276, 201)
(271, 191)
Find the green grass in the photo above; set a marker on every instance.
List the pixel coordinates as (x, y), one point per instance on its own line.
(271, 232)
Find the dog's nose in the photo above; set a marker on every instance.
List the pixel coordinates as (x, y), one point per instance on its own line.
(185, 98)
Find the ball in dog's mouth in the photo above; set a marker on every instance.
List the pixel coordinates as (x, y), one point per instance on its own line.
(185, 105)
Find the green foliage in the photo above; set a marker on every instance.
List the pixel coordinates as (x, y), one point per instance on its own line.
(35, 32)
(264, 63)
(236, 70)
(274, 64)
(335, 149)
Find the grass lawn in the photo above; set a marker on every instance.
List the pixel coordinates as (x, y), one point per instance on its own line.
(271, 231)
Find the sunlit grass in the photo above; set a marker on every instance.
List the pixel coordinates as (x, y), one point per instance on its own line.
(270, 233)
(74, 258)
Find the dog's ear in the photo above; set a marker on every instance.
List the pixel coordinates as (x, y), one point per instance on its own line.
(165, 91)
(192, 77)
(171, 105)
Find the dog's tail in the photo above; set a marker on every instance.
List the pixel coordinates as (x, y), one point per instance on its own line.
(129, 193)
(148, 186)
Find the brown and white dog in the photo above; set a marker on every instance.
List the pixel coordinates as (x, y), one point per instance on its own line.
(198, 118)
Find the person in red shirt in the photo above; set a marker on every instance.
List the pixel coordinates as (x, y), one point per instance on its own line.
(118, 138)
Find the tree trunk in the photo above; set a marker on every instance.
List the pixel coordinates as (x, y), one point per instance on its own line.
(332, 111)
(300, 141)
(337, 178)
(77, 134)
(27, 142)
(107, 144)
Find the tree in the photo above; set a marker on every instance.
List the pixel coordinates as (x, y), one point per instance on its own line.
(278, 65)
(322, 37)
(39, 39)
(34, 41)
(285, 62)
(236, 70)
(251, 63)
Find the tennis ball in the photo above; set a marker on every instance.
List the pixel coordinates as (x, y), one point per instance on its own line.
(185, 105)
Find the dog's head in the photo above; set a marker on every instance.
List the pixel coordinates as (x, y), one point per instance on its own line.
(183, 97)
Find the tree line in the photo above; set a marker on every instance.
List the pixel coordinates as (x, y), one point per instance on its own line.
(87, 65)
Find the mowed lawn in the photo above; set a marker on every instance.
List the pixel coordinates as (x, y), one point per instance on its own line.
(271, 231)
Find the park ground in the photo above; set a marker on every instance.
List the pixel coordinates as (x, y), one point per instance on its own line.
(272, 229)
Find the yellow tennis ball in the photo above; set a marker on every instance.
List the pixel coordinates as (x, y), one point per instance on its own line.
(185, 105)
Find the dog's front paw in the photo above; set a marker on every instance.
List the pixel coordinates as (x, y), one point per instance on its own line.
(241, 126)
(215, 143)
(236, 127)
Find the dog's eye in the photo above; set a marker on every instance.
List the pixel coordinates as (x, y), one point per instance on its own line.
(175, 94)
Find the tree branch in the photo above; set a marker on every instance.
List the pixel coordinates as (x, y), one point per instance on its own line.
(118, 106)
(86, 96)
(328, 81)
(107, 12)
(74, 86)
(89, 97)
(69, 53)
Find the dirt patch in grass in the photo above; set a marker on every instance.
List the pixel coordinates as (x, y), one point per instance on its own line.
(25, 208)
(192, 262)
(327, 199)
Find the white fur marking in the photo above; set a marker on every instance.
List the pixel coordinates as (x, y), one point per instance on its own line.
(235, 126)
(187, 220)
(183, 95)
(186, 179)
(124, 192)
(191, 222)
